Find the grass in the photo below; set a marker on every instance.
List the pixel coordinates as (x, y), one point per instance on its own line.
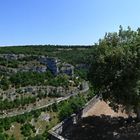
(15, 131)
(40, 124)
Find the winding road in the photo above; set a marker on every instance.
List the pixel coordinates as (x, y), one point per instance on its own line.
(14, 113)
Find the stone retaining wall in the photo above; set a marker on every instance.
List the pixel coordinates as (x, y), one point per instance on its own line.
(55, 132)
(89, 105)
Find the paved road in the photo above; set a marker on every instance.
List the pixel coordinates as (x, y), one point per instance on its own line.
(11, 114)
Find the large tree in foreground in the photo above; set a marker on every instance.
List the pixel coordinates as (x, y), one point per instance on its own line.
(115, 69)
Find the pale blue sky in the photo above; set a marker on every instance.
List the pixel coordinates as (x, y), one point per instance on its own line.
(64, 21)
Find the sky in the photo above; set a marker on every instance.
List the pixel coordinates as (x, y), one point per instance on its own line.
(64, 22)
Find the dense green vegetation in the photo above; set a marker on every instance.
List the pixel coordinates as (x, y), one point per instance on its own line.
(5, 104)
(30, 78)
(62, 109)
(72, 106)
(10, 78)
(26, 129)
(22, 79)
(70, 54)
(9, 63)
(115, 70)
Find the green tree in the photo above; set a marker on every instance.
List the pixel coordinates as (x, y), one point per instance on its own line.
(39, 137)
(3, 136)
(65, 111)
(26, 129)
(4, 83)
(12, 138)
(115, 69)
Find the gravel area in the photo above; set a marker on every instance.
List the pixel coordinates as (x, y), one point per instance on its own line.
(102, 107)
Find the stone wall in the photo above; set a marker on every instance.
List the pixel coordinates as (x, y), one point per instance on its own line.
(55, 132)
(89, 105)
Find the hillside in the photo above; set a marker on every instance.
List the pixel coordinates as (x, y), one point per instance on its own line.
(37, 86)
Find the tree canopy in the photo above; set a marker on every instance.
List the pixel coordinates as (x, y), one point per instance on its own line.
(115, 68)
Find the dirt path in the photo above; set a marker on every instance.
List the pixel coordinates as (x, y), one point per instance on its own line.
(102, 107)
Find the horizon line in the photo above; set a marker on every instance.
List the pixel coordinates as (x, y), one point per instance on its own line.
(26, 45)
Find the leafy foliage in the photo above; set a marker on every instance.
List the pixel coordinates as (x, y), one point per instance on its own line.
(71, 106)
(115, 70)
(70, 54)
(26, 129)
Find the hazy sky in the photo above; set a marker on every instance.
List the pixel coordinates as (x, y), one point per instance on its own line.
(64, 21)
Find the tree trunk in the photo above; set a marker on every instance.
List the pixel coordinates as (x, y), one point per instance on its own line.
(138, 112)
